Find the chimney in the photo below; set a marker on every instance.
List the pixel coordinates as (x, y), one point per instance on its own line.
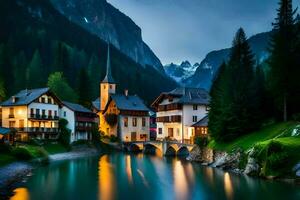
(126, 92)
(14, 99)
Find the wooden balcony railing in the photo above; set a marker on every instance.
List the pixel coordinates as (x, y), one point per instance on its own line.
(173, 106)
(169, 119)
(43, 117)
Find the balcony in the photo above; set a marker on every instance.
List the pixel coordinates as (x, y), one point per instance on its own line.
(169, 119)
(43, 117)
(173, 106)
(38, 130)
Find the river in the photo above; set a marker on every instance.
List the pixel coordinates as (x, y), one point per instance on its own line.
(130, 176)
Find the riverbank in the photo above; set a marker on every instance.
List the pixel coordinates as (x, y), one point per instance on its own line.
(13, 174)
(271, 153)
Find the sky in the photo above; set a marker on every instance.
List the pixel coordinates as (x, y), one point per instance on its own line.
(178, 30)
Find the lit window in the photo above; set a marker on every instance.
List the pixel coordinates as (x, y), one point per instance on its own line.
(110, 86)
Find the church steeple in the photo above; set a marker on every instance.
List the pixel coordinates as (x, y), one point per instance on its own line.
(108, 85)
(108, 77)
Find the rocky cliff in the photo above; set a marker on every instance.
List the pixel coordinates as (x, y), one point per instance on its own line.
(101, 18)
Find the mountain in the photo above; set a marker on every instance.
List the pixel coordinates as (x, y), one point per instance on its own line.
(104, 20)
(182, 71)
(37, 40)
(208, 67)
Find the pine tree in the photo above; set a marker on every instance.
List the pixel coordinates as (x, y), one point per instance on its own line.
(84, 88)
(20, 64)
(283, 72)
(95, 73)
(234, 101)
(34, 74)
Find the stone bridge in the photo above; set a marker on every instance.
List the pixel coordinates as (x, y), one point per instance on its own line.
(167, 148)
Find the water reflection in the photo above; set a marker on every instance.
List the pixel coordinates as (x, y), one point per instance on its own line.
(126, 176)
(228, 186)
(128, 169)
(20, 194)
(106, 179)
(180, 181)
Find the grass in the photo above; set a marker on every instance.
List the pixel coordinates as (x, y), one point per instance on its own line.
(55, 148)
(249, 140)
(290, 148)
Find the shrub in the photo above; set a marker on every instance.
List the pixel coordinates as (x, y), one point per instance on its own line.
(21, 153)
(201, 141)
(296, 117)
(113, 138)
(5, 148)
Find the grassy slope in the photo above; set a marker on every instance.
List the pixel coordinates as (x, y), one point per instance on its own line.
(55, 148)
(248, 141)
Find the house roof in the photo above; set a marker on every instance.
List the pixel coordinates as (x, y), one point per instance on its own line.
(130, 102)
(4, 131)
(96, 103)
(186, 96)
(108, 77)
(25, 97)
(202, 122)
(76, 107)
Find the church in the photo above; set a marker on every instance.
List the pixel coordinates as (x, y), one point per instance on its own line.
(122, 115)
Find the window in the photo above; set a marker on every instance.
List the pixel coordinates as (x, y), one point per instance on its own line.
(11, 112)
(37, 111)
(50, 113)
(21, 123)
(170, 132)
(194, 118)
(12, 124)
(65, 113)
(43, 100)
(31, 111)
(160, 131)
(104, 86)
(43, 112)
(125, 121)
(49, 100)
(195, 107)
(143, 121)
(55, 113)
(110, 86)
(134, 122)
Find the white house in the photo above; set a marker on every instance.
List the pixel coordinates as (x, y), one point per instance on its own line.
(80, 120)
(33, 113)
(177, 112)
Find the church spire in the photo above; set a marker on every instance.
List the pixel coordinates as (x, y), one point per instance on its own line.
(108, 77)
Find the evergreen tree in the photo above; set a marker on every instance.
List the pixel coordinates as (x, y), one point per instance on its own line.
(84, 88)
(283, 71)
(20, 64)
(58, 84)
(34, 74)
(96, 74)
(234, 100)
(2, 90)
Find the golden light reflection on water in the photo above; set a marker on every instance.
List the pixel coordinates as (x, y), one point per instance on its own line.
(20, 194)
(180, 181)
(106, 179)
(209, 173)
(228, 186)
(128, 169)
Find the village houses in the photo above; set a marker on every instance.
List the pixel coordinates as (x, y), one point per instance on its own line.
(182, 114)
(121, 115)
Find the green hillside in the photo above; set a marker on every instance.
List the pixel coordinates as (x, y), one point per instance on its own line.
(36, 40)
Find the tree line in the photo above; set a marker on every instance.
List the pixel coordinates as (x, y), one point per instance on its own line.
(246, 94)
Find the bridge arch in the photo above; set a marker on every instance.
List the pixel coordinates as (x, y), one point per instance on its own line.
(170, 151)
(152, 149)
(135, 147)
(183, 151)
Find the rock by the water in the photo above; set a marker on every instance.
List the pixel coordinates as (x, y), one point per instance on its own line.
(252, 167)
